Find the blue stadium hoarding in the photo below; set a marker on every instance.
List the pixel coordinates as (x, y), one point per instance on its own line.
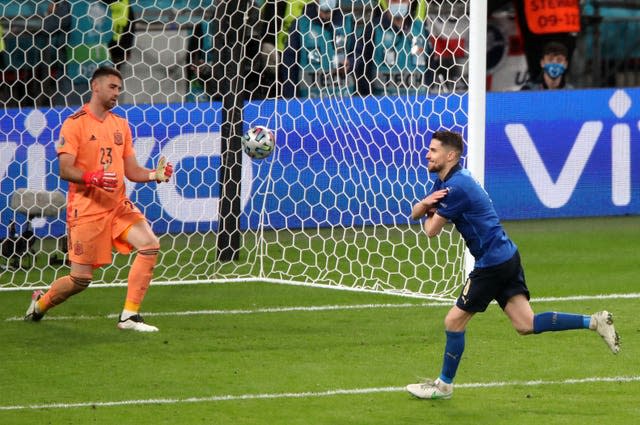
(548, 154)
(563, 153)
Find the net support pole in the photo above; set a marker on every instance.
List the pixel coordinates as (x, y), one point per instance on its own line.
(477, 97)
(230, 41)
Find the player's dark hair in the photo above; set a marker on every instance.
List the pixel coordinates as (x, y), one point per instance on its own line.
(104, 71)
(450, 139)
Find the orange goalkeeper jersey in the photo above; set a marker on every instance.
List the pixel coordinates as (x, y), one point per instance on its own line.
(95, 143)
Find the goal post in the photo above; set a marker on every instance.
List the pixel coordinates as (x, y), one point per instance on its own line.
(330, 207)
(477, 101)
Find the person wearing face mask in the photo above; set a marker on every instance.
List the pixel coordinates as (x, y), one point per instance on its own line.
(393, 55)
(554, 64)
(317, 61)
(542, 22)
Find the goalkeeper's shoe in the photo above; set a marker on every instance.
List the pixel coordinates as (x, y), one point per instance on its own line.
(602, 322)
(135, 323)
(32, 315)
(431, 390)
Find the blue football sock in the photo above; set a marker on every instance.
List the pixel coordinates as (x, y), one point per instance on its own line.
(452, 355)
(552, 321)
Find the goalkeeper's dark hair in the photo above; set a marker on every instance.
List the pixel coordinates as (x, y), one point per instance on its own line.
(450, 139)
(104, 71)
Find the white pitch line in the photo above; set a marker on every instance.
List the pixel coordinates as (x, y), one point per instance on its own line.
(633, 295)
(249, 311)
(327, 308)
(310, 394)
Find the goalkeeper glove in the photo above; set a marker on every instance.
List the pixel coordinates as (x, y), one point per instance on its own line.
(163, 171)
(102, 178)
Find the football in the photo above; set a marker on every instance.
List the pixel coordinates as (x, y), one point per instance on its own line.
(259, 142)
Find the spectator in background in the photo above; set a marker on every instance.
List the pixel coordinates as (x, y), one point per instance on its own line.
(201, 56)
(320, 52)
(449, 35)
(204, 69)
(611, 35)
(554, 64)
(265, 20)
(4, 62)
(293, 10)
(91, 32)
(392, 57)
(123, 31)
(35, 61)
(56, 26)
(543, 22)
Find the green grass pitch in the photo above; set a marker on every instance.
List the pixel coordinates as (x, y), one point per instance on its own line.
(258, 353)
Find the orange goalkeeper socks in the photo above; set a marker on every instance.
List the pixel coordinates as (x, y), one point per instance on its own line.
(60, 290)
(139, 279)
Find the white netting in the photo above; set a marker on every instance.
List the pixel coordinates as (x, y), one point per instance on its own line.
(352, 105)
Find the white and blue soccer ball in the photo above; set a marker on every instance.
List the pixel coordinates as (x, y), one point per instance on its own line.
(259, 142)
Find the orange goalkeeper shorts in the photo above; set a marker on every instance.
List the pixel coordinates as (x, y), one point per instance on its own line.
(91, 242)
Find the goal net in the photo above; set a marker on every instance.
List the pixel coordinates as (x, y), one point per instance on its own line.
(351, 89)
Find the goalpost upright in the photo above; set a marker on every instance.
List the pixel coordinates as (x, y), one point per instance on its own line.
(477, 99)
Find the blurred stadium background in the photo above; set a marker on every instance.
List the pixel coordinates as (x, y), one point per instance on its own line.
(606, 48)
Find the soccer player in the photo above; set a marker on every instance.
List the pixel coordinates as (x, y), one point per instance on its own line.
(95, 154)
(498, 274)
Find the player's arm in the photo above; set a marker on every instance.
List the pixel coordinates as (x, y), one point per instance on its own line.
(136, 173)
(68, 170)
(101, 178)
(427, 205)
(433, 226)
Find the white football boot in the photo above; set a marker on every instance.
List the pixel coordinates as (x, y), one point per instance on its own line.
(431, 390)
(602, 322)
(135, 323)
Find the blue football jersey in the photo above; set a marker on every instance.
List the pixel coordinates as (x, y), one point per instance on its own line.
(469, 208)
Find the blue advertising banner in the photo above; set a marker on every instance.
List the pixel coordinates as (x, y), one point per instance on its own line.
(563, 153)
(357, 161)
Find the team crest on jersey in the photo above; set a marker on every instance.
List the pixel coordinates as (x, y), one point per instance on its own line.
(117, 138)
(61, 143)
(77, 248)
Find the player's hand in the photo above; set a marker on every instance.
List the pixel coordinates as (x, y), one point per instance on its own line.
(435, 197)
(163, 171)
(102, 178)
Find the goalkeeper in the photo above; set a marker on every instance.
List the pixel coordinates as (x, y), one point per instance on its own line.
(498, 273)
(95, 154)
